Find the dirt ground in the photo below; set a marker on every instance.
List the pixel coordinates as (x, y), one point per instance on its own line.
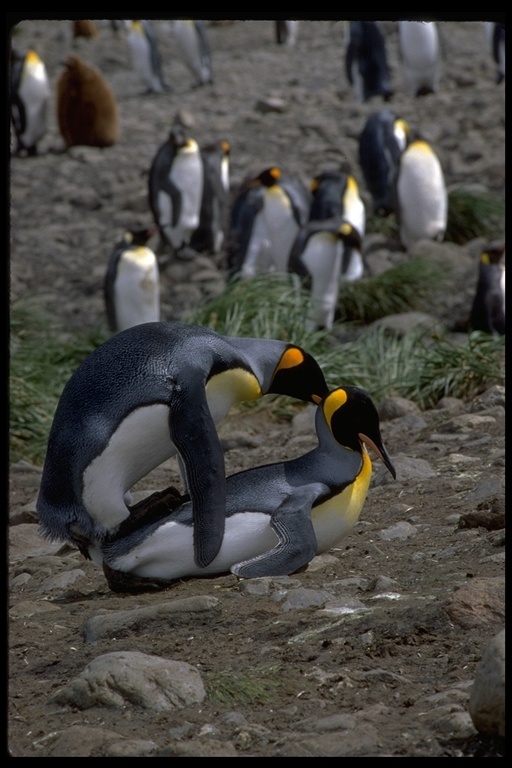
(403, 664)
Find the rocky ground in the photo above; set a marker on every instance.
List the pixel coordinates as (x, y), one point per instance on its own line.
(373, 649)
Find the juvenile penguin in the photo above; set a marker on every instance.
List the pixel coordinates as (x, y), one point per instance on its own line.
(132, 283)
(488, 308)
(148, 393)
(325, 253)
(176, 179)
(145, 55)
(267, 215)
(366, 63)
(29, 97)
(419, 50)
(194, 48)
(209, 235)
(87, 110)
(381, 142)
(278, 516)
(421, 195)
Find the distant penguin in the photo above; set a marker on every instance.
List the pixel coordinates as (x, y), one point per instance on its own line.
(324, 254)
(132, 283)
(148, 393)
(267, 215)
(194, 48)
(286, 32)
(496, 38)
(420, 53)
(381, 142)
(176, 179)
(421, 195)
(29, 98)
(278, 516)
(209, 235)
(87, 111)
(335, 194)
(366, 63)
(145, 55)
(488, 308)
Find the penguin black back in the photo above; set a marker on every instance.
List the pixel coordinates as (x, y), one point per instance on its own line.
(366, 64)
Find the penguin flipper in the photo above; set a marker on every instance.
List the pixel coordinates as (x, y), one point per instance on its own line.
(297, 544)
(174, 193)
(201, 454)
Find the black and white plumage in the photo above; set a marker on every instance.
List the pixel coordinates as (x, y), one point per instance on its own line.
(145, 54)
(336, 194)
(420, 53)
(488, 308)
(148, 393)
(194, 48)
(132, 282)
(366, 63)
(278, 516)
(29, 98)
(286, 31)
(266, 216)
(213, 219)
(381, 142)
(176, 179)
(496, 40)
(421, 195)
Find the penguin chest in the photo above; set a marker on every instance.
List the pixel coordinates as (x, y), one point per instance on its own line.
(281, 225)
(141, 56)
(187, 175)
(137, 289)
(34, 93)
(336, 517)
(322, 258)
(422, 196)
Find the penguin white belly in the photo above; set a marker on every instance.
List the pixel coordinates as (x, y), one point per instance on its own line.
(354, 269)
(140, 443)
(258, 257)
(34, 93)
(168, 553)
(422, 197)
(140, 51)
(137, 289)
(322, 258)
(282, 227)
(187, 175)
(188, 44)
(420, 51)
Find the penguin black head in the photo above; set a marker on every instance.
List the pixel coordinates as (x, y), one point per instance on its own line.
(138, 236)
(269, 176)
(298, 375)
(350, 236)
(353, 420)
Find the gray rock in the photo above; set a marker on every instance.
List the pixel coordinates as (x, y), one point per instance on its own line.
(487, 699)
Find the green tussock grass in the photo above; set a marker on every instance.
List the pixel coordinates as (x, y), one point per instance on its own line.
(474, 213)
(256, 685)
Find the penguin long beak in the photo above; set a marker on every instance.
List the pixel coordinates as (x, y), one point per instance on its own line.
(381, 453)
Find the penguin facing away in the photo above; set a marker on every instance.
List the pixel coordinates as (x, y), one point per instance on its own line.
(87, 110)
(132, 282)
(381, 142)
(193, 45)
(148, 393)
(145, 54)
(419, 49)
(325, 253)
(268, 211)
(421, 195)
(366, 64)
(488, 308)
(278, 516)
(29, 98)
(209, 235)
(176, 179)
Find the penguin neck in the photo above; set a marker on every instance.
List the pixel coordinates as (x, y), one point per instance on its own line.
(229, 387)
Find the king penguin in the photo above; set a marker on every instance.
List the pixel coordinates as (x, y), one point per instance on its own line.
(29, 98)
(267, 215)
(278, 516)
(209, 235)
(176, 179)
(496, 37)
(336, 194)
(148, 393)
(421, 195)
(145, 54)
(194, 48)
(366, 63)
(87, 111)
(132, 283)
(325, 253)
(488, 308)
(381, 143)
(286, 32)
(420, 53)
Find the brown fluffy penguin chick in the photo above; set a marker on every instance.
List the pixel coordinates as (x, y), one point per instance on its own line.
(87, 110)
(85, 28)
